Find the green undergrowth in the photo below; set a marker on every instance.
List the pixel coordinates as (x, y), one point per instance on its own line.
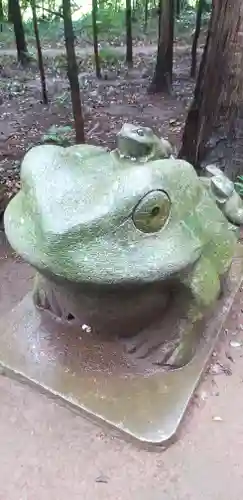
(111, 27)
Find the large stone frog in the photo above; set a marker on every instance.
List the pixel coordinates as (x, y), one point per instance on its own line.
(88, 220)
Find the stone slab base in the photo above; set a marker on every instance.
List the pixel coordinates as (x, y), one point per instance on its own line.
(97, 380)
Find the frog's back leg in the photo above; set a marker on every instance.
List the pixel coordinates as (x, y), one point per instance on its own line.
(203, 282)
(218, 238)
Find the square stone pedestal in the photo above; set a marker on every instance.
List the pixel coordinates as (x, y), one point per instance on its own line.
(94, 379)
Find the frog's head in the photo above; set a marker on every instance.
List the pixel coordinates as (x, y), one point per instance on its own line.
(226, 197)
(141, 143)
(222, 188)
(84, 217)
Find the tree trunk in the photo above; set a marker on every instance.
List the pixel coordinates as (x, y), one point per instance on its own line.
(1, 15)
(146, 16)
(1, 10)
(162, 79)
(200, 6)
(129, 58)
(159, 19)
(214, 122)
(43, 9)
(73, 73)
(9, 12)
(95, 38)
(133, 10)
(16, 19)
(178, 8)
(39, 52)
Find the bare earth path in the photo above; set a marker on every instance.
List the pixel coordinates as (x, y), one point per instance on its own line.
(120, 96)
(53, 52)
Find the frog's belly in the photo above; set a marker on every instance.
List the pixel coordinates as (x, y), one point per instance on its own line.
(115, 311)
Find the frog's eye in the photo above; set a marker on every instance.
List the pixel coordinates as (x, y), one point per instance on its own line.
(152, 212)
(140, 132)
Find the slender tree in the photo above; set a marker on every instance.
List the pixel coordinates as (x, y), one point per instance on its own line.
(43, 9)
(16, 19)
(73, 73)
(9, 12)
(200, 7)
(162, 79)
(146, 8)
(129, 57)
(95, 38)
(159, 11)
(1, 15)
(134, 6)
(178, 8)
(39, 52)
(212, 131)
(1, 10)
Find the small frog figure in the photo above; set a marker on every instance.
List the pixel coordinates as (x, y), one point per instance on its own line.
(224, 193)
(141, 144)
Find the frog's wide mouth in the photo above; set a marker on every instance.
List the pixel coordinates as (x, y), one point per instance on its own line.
(110, 260)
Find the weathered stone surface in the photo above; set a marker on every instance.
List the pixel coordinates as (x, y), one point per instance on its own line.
(125, 231)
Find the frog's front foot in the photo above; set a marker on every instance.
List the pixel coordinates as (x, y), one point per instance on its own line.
(181, 354)
(172, 354)
(173, 341)
(44, 298)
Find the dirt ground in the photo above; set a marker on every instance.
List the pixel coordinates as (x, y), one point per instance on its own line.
(121, 96)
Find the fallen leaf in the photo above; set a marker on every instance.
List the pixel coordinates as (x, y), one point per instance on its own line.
(102, 479)
(235, 343)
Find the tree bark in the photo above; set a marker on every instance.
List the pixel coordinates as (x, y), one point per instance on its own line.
(146, 16)
(16, 19)
(95, 38)
(1, 16)
(200, 6)
(43, 10)
(212, 124)
(39, 52)
(134, 7)
(129, 58)
(9, 12)
(162, 79)
(1, 10)
(73, 73)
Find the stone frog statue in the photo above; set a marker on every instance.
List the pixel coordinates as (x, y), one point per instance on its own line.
(108, 235)
(223, 192)
(141, 144)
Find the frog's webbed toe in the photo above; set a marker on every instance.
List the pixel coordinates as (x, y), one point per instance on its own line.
(174, 353)
(181, 353)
